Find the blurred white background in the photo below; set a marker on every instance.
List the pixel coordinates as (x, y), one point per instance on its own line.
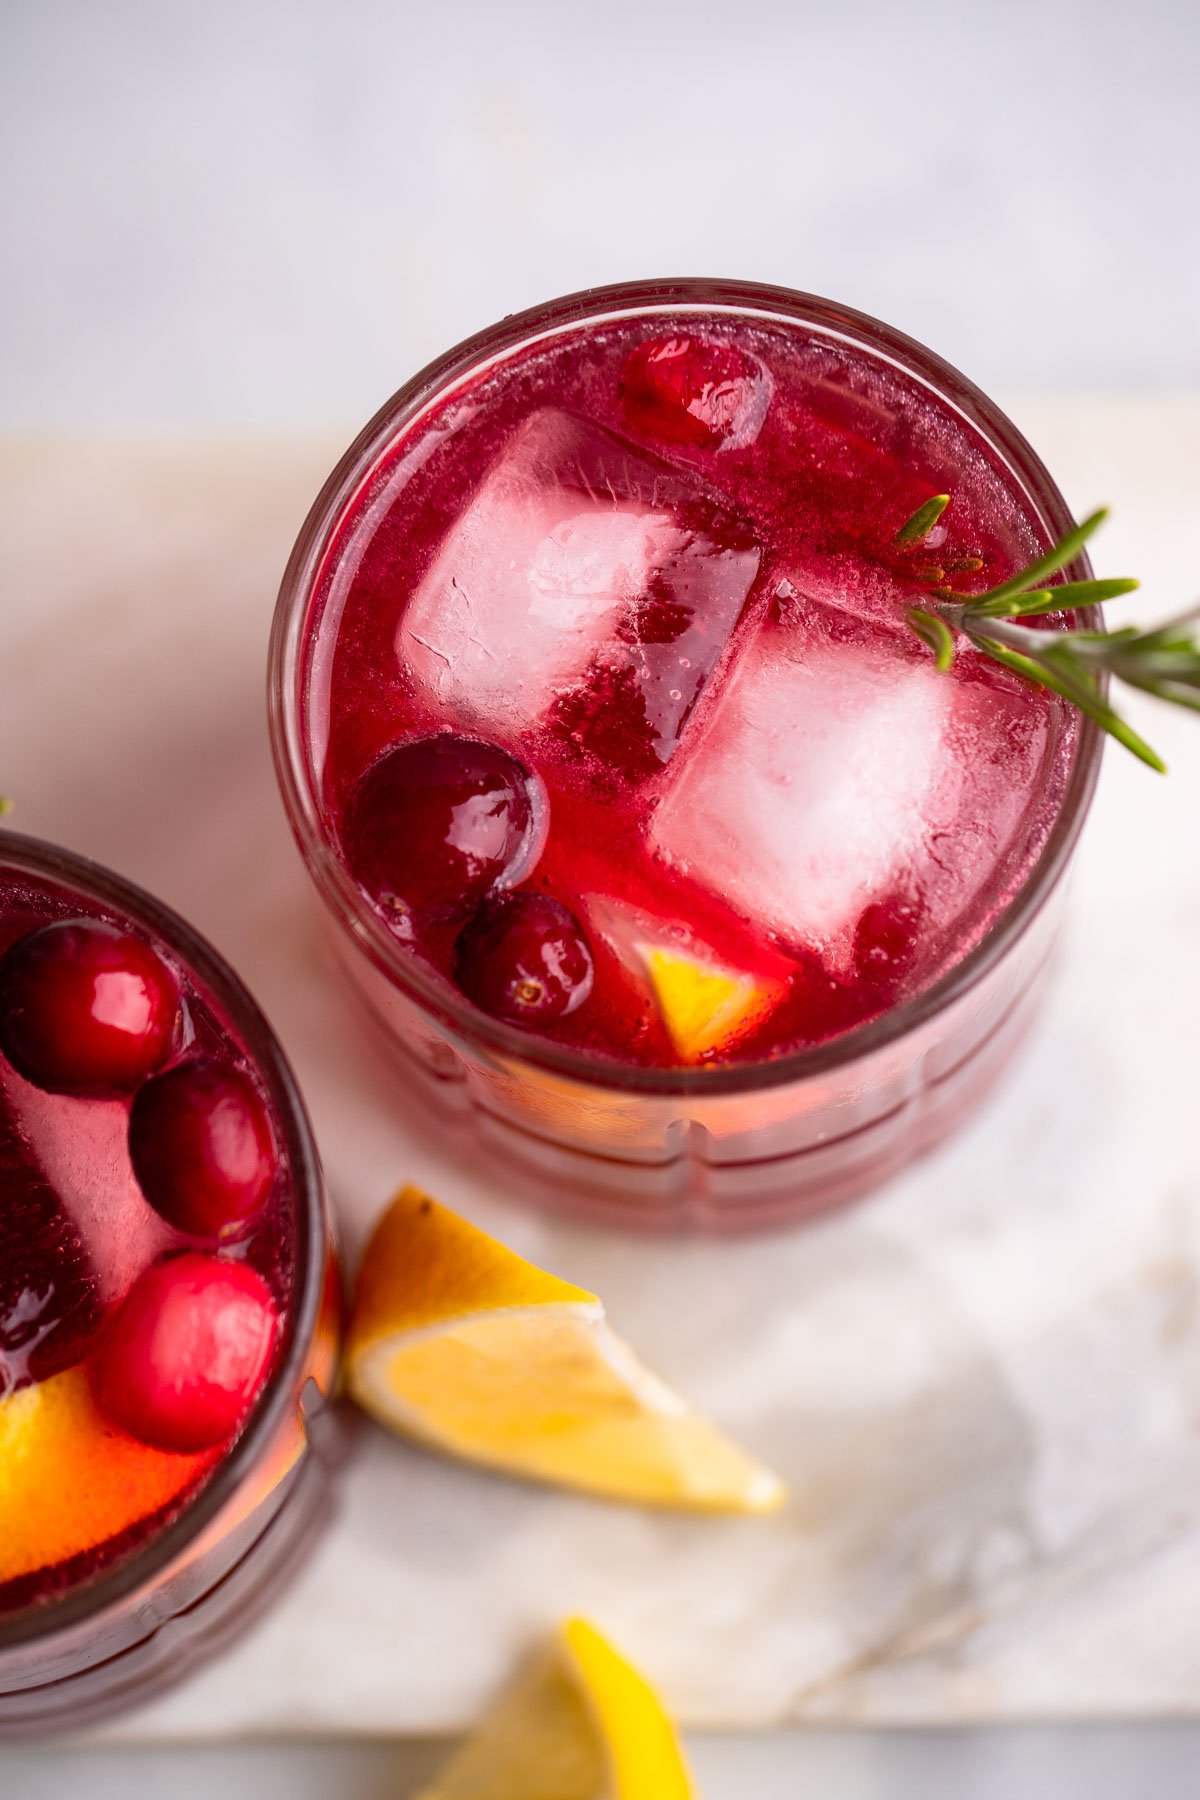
(272, 211)
(268, 213)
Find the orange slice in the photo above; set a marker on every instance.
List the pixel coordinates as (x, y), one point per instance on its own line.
(69, 1480)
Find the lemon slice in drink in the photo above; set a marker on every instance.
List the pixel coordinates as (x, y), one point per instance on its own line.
(581, 1724)
(459, 1342)
(704, 1005)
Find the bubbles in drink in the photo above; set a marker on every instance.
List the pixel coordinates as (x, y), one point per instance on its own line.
(656, 562)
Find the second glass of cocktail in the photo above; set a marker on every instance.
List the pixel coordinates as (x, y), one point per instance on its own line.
(648, 827)
(168, 1298)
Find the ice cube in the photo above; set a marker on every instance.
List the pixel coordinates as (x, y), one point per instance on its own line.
(83, 1148)
(586, 586)
(814, 782)
(48, 1301)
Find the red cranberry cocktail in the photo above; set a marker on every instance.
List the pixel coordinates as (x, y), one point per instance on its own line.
(652, 832)
(165, 1293)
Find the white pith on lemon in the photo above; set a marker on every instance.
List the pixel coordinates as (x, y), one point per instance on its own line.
(580, 1724)
(458, 1341)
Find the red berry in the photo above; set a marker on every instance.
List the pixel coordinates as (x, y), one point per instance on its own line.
(202, 1149)
(437, 822)
(186, 1352)
(524, 958)
(689, 390)
(887, 938)
(86, 1008)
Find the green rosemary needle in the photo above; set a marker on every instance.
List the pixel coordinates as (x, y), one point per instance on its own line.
(1078, 665)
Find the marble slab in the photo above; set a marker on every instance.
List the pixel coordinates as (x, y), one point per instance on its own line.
(983, 1385)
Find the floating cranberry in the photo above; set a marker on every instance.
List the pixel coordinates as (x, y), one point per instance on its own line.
(887, 938)
(86, 1008)
(436, 823)
(689, 390)
(202, 1148)
(524, 958)
(186, 1352)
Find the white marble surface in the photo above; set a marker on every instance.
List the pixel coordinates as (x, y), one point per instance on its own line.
(983, 1385)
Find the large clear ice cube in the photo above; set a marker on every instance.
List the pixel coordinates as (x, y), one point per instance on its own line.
(587, 587)
(82, 1146)
(838, 766)
(809, 789)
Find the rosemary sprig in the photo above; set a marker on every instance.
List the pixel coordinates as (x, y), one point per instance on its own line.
(923, 520)
(1164, 661)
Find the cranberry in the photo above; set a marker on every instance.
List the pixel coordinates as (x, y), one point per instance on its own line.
(887, 938)
(437, 822)
(524, 958)
(689, 390)
(86, 1008)
(186, 1351)
(202, 1149)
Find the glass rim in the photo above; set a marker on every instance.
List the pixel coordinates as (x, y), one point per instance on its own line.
(287, 698)
(42, 1620)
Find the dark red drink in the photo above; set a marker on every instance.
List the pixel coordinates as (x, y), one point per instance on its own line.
(159, 1276)
(645, 551)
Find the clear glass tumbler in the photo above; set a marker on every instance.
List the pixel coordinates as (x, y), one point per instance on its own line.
(115, 1640)
(733, 1145)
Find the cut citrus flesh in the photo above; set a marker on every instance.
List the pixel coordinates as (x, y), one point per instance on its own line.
(458, 1341)
(705, 1002)
(580, 1724)
(69, 1481)
(705, 1006)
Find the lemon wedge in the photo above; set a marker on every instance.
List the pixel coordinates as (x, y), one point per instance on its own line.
(704, 1005)
(458, 1341)
(580, 1724)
